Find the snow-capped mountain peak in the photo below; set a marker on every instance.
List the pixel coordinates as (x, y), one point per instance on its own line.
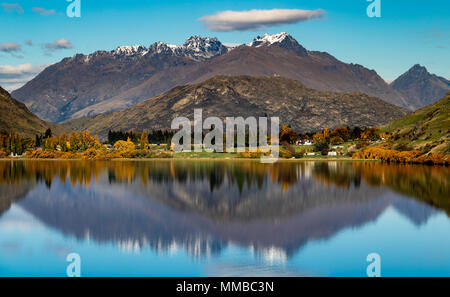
(203, 47)
(282, 39)
(131, 50)
(162, 48)
(198, 43)
(270, 39)
(195, 47)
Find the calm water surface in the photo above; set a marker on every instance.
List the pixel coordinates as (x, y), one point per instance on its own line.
(223, 218)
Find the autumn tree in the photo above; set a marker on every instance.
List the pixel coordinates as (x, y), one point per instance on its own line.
(320, 142)
(82, 141)
(14, 143)
(63, 143)
(50, 143)
(371, 134)
(124, 145)
(97, 144)
(287, 135)
(48, 133)
(86, 140)
(355, 133)
(341, 132)
(144, 141)
(326, 135)
(336, 140)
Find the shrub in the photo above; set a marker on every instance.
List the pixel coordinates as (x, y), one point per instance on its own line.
(51, 155)
(89, 154)
(128, 154)
(414, 156)
(407, 156)
(294, 152)
(252, 155)
(150, 154)
(336, 140)
(285, 153)
(249, 155)
(124, 145)
(319, 147)
(298, 155)
(437, 159)
(361, 144)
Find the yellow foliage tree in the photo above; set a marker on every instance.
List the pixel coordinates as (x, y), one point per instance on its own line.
(319, 138)
(144, 141)
(326, 134)
(124, 145)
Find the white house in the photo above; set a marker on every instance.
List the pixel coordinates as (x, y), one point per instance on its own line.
(332, 153)
(304, 142)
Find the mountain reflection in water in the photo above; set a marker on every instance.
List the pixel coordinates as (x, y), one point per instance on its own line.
(202, 206)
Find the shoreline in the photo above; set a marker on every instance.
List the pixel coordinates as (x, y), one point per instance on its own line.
(192, 159)
(219, 159)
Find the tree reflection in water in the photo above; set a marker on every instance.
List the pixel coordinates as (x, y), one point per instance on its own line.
(202, 205)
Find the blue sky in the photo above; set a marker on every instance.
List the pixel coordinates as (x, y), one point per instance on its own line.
(407, 33)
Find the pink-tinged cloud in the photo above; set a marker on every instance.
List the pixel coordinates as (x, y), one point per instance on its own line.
(12, 7)
(43, 11)
(10, 47)
(59, 44)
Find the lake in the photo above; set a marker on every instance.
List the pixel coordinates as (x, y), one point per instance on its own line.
(223, 218)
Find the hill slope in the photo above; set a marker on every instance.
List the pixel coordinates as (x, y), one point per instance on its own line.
(427, 129)
(86, 85)
(421, 87)
(304, 109)
(15, 117)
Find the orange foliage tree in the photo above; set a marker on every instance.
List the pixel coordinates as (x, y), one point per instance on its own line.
(414, 156)
(341, 132)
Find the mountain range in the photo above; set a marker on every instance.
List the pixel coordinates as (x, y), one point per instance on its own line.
(105, 81)
(304, 109)
(15, 117)
(421, 87)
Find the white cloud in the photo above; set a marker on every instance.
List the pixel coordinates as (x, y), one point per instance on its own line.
(43, 11)
(12, 7)
(59, 44)
(19, 69)
(9, 47)
(13, 77)
(258, 19)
